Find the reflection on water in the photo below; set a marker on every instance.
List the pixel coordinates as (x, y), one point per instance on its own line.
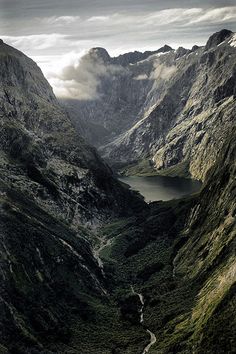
(162, 187)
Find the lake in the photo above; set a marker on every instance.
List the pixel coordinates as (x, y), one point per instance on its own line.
(161, 187)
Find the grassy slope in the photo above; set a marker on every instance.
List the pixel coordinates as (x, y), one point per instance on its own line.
(145, 168)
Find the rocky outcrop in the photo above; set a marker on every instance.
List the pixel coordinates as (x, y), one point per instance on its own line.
(134, 57)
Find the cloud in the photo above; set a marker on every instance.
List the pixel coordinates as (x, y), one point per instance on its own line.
(122, 27)
(161, 71)
(38, 42)
(61, 20)
(81, 78)
(178, 16)
(220, 15)
(98, 18)
(141, 77)
(43, 43)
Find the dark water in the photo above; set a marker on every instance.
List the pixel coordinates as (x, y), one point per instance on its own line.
(162, 188)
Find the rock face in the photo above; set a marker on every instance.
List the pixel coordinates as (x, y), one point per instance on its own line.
(122, 89)
(175, 108)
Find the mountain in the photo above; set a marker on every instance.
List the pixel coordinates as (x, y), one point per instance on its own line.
(86, 265)
(42, 154)
(116, 97)
(54, 189)
(175, 109)
(181, 257)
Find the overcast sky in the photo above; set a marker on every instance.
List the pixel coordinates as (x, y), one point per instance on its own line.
(54, 32)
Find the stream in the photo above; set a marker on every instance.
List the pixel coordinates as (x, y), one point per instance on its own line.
(103, 244)
(152, 335)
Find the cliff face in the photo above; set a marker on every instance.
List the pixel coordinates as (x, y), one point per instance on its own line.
(176, 108)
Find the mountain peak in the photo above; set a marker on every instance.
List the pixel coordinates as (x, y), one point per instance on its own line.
(181, 51)
(218, 38)
(195, 47)
(101, 53)
(165, 48)
(1, 41)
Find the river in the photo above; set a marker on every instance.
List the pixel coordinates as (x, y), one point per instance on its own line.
(161, 187)
(153, 338)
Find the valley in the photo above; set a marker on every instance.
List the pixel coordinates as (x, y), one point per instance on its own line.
(88, 266)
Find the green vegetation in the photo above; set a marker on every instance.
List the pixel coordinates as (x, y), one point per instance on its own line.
(146, 168)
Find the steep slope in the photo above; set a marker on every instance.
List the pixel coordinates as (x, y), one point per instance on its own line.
(52, 187)
(42, 155)
(181, 257)
(48, 275)
(188, 123)
(117, 93)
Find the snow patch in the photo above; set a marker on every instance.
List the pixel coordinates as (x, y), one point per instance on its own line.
(232, 41)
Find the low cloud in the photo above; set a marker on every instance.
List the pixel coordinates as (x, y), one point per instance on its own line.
(81, 78)
(163, 72)
(141, 77)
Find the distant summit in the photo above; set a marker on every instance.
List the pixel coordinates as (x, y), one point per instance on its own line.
(136, 56)
(126, 58)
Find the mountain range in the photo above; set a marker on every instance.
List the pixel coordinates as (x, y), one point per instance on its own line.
(157, 112)
(83, 256)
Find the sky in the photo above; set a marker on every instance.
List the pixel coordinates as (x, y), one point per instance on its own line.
(56, 33)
